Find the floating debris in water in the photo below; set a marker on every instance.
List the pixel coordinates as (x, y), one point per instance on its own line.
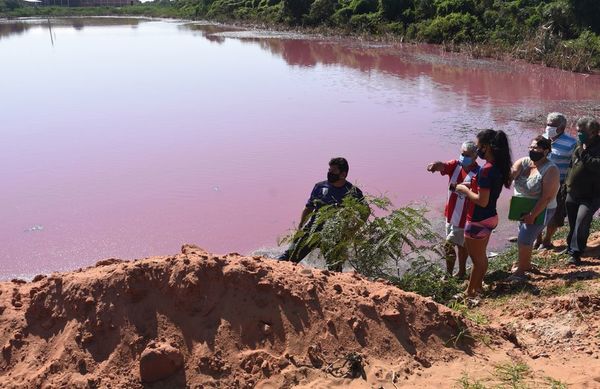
(35, 228)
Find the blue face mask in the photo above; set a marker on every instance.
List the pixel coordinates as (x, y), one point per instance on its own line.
(465, 161)
(582, 137)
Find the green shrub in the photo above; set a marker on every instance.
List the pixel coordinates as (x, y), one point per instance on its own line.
(455, 28)
(394, 9)
(365, 22)
(360, 7)
(224, 8)
(447, 7)
(586, 13)
(396, 28)
(296, 9)
(9, 5)
(423, 10)
(342, 16)
(427, 279)
(373, 243)
(561, 17)
(586, 50)
(321, 11)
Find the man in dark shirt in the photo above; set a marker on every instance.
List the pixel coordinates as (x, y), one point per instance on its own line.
(330, 192)
(583, 187)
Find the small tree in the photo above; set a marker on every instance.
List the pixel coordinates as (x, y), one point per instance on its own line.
(369, 235)
(296, 9)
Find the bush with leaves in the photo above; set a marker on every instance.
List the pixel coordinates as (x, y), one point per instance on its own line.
(395, 9)
(429, 279)
(321, 12)
(364, 6)
(296, 9)
(369, 235)
(455, 28)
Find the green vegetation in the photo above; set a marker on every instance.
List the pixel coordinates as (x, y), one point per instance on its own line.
(429, 280)
(513, 374)
(369, 235)
(468, 313)
(555, 384)
(463, 334)
(464, 382)
(565, 287)
(378, 241)
(559, 33)
(150, 10)
(510, 375)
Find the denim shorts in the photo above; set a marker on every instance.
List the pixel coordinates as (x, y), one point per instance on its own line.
(529, 232)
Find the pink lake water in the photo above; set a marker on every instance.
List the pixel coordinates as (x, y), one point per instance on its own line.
(127, 137)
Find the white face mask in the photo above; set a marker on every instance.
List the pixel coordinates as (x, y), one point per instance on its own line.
(551, 132)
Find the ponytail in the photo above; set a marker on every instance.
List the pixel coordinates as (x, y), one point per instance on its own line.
(498, 141)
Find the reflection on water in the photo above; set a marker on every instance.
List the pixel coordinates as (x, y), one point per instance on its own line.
(475, 78)
(486, 80)
(130, 137)
(8, 28)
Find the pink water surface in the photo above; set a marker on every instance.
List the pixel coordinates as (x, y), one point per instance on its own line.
(127, 138)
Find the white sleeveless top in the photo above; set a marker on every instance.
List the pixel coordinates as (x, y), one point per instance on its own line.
(530, 185)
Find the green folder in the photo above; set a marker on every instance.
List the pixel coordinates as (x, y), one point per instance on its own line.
(521, 206)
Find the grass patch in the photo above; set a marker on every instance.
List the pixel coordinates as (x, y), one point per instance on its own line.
(555, 384)
(509, 376)
(500, 265)
(468, 313)
(462, 334)
(513, 374)
(427, 279)
(464, 382)
(565, 287)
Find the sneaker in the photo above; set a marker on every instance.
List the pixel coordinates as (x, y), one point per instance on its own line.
(574, 260)
(513, 239)
(543, 247)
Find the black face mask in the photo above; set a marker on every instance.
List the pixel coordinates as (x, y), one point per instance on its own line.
(332, 177)
(536, 155)
(481, 153)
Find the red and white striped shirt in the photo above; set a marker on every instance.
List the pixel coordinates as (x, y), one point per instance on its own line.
(456, 207)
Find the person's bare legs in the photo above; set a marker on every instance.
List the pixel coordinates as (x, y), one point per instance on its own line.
(524, 263)
(477, 250)
(463, 254)
(450, 254)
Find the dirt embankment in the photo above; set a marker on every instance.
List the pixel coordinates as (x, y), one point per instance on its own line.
(203, 321)
(210, 321)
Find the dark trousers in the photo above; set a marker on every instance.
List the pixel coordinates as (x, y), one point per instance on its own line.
(300, 248)
(580, 213)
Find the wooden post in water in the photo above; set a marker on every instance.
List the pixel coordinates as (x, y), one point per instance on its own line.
(50, 29)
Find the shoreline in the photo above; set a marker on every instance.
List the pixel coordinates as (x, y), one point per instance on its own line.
(515, 53)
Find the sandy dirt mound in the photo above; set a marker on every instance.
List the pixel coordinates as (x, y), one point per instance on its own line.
(210, 321)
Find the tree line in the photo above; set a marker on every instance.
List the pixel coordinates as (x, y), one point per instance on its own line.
(558, 33)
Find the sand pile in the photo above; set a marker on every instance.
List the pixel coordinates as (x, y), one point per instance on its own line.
(216, 322)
